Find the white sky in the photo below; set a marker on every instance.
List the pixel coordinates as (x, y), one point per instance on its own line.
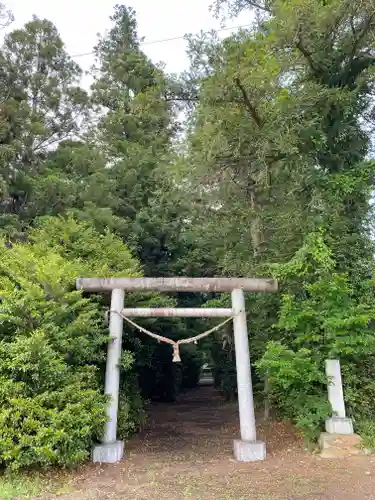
(79, 21)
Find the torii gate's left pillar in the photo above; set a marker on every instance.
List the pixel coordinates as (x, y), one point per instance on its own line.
(110, 450)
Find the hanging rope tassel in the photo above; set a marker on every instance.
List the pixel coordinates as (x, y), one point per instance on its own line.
(176, 354)
(176, 345)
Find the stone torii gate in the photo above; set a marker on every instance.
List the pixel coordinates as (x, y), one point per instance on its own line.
(246, 449)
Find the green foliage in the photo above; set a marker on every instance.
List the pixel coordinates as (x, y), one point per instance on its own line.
(191, 363)
(51, 404)
(42, 105)
(321, 317)
(56, 427)
(103, 254)
(135, 135)
(234, 7)
(366, 429)
(53, 344)
(298, 386)
(224, 368)
(36, 293)
(325, 313)
(131, 413)
(276, 147)
(278, 144)
(359, 376)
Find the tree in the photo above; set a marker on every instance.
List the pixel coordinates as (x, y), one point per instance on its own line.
(260, 105)
(136, 133)
(6, 16)
(42, 104)
(55, 169)
(277, 146)
(234, 7)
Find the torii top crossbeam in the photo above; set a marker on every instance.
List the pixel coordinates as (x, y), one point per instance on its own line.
(180, 284)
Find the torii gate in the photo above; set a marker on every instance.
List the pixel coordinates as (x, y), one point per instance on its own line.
(246, 449)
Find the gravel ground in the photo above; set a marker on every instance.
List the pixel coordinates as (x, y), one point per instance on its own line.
(186, 453)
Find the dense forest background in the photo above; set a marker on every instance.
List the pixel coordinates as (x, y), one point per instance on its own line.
(255, 162)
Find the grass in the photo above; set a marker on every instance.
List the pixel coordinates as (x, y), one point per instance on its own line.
(22, 487)
(366, 429)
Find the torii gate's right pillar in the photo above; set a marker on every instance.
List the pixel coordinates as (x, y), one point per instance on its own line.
(246, 449)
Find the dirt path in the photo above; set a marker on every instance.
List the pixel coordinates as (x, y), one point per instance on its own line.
(186, 453)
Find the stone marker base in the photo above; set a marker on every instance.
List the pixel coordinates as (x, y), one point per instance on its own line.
(340, 445)
(249, 451)
(336, 425)
(109, 453)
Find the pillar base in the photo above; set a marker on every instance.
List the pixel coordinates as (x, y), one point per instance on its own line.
(337, 425)
(108, 453)
(249, 451)
(340, 445)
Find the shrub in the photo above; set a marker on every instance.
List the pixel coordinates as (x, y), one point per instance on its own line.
(50, 412)
(297, 387)
(131, 413)
(100, 254)
(366, 429)
(52, 344)
(106, 255)
(56, 427)
(322, 316)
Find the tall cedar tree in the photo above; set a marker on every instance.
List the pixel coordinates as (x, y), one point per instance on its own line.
(41, 105)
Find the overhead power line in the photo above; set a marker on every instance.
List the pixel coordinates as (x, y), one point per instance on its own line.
(163, 40)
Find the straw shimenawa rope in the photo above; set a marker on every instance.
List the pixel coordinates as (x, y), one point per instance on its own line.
(175, 345)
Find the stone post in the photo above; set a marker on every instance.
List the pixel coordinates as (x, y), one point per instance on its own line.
(338, 423)
(246, 449)
(339, 439)
(111, 450)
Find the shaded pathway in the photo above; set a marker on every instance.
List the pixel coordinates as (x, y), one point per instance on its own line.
(199, 424)
(185, 452)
